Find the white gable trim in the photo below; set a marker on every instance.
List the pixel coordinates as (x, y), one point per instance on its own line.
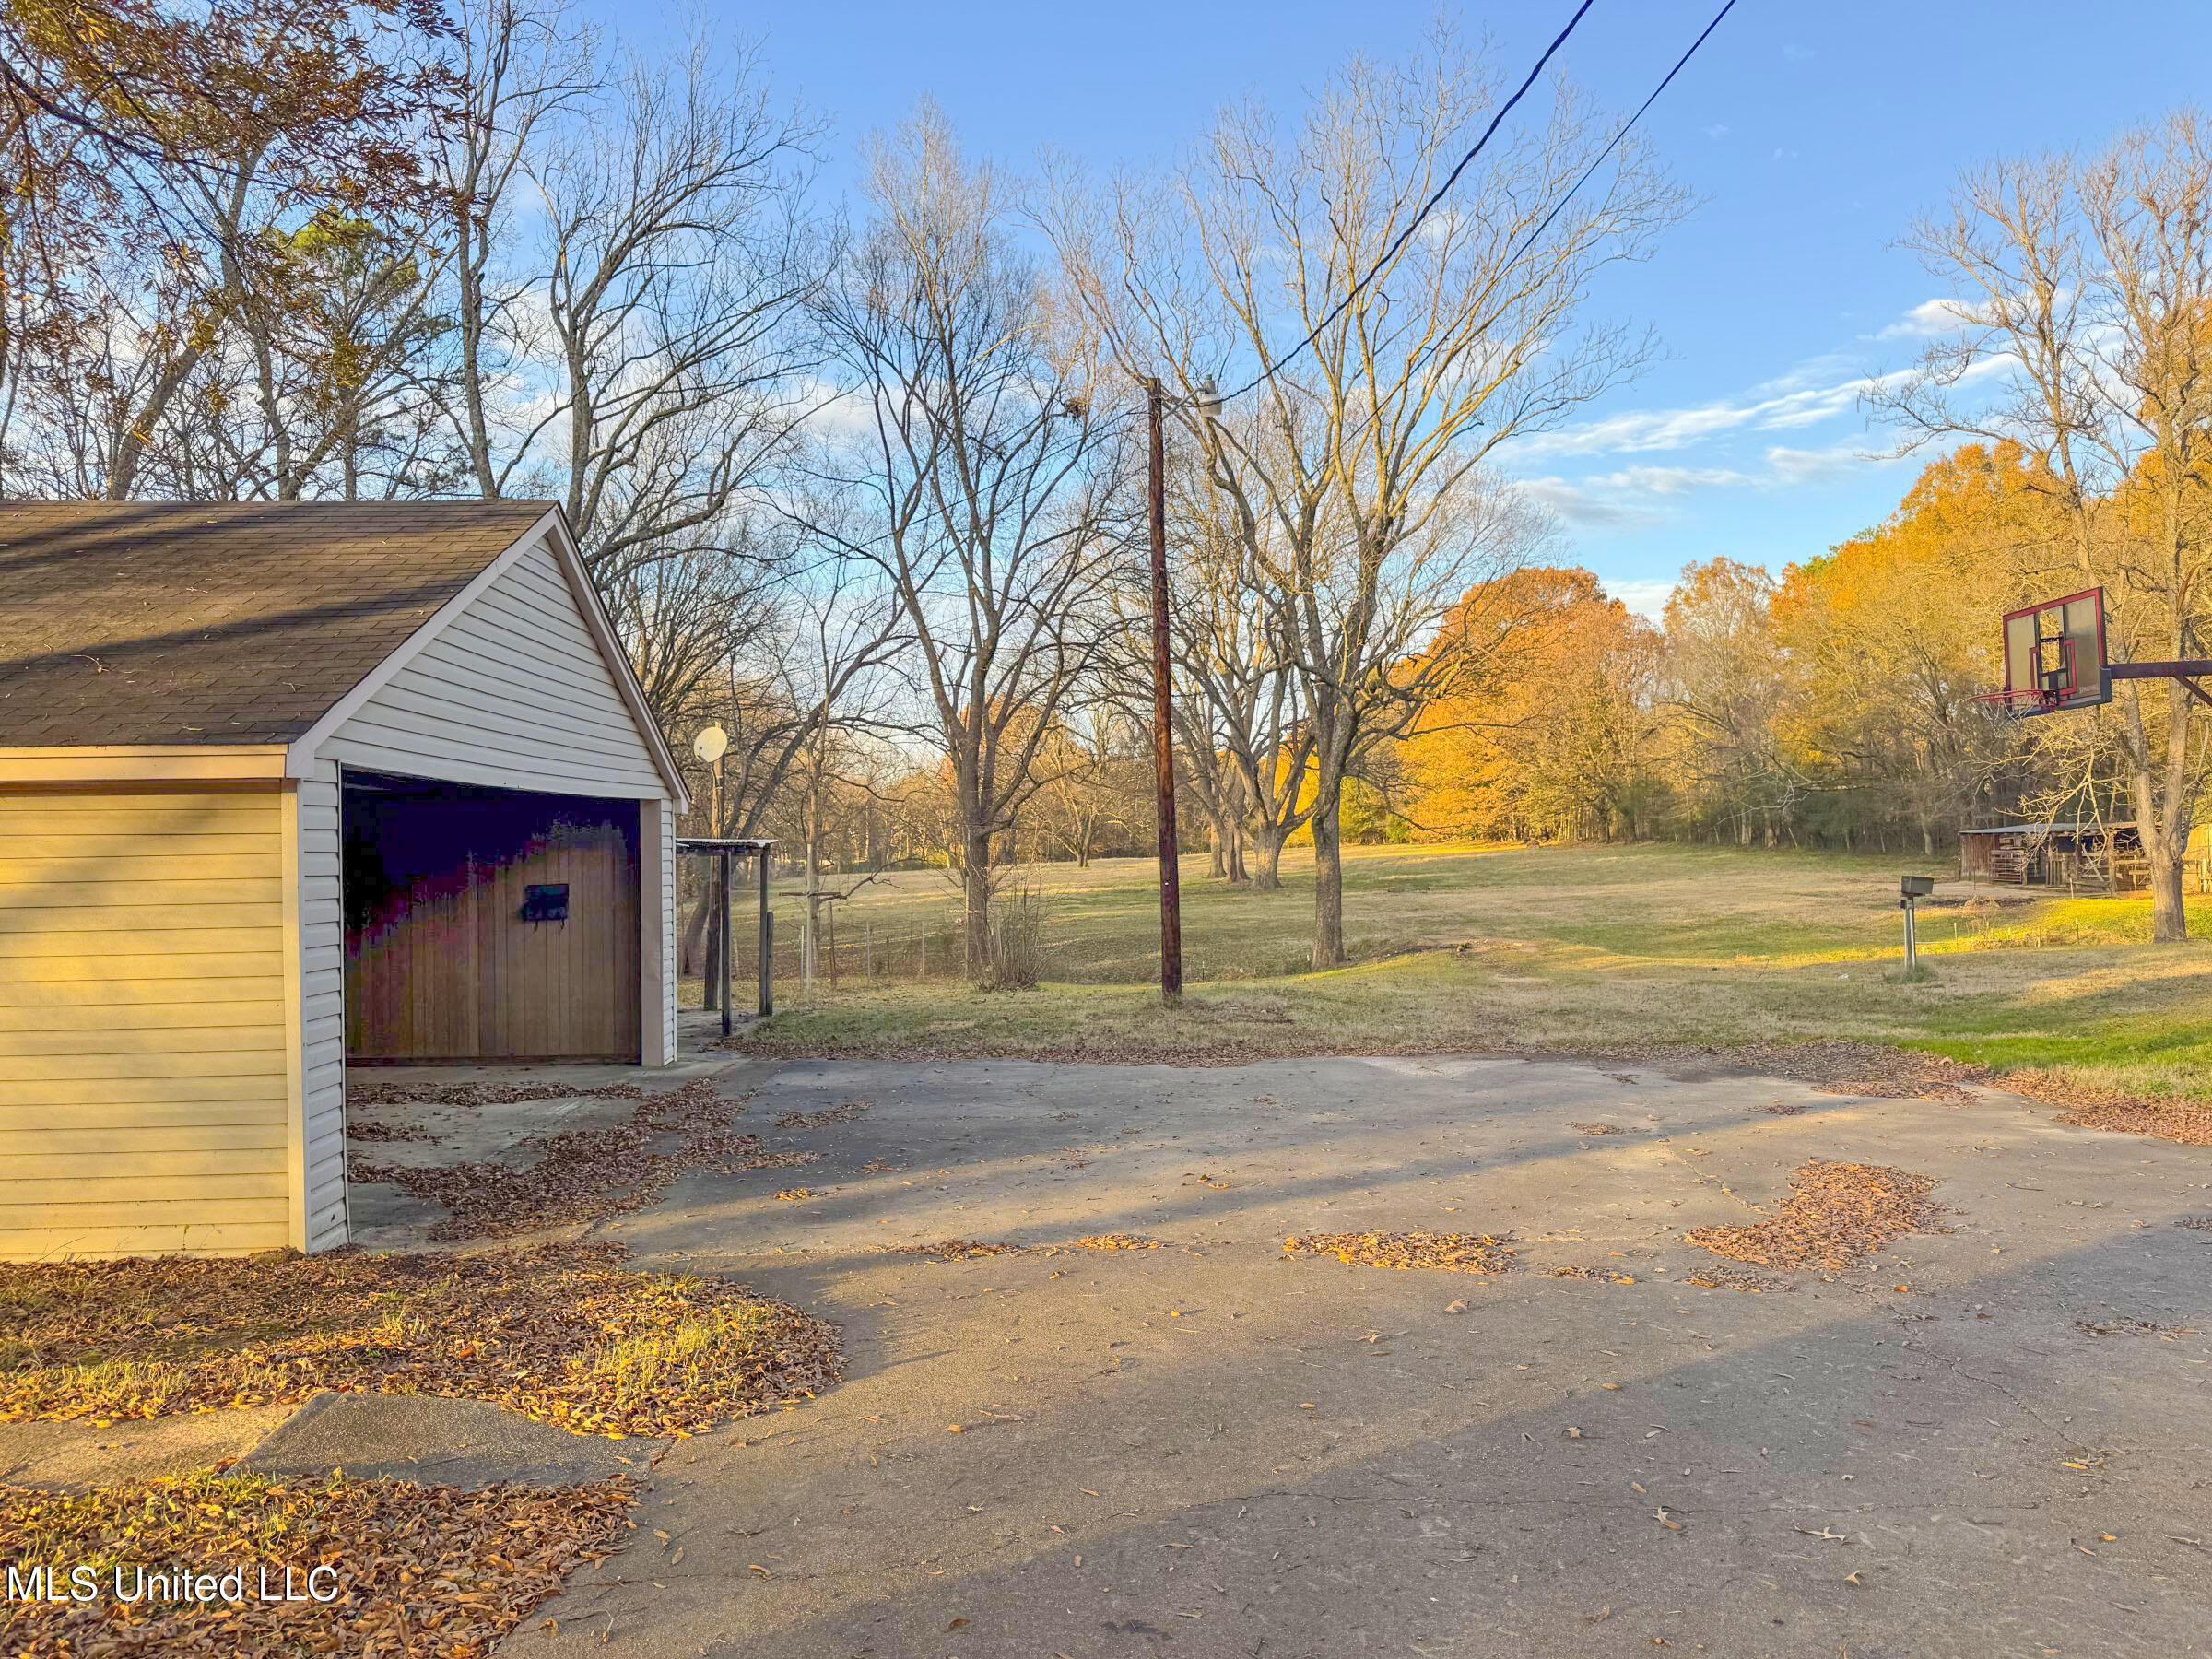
(551, 532)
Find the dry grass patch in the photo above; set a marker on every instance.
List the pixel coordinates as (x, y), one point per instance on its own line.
(1837, 1215)
(563, 1333)
(584, 1176)
(1452, 1252)
(418, 1570)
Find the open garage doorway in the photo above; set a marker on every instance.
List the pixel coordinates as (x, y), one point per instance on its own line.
(489, 924)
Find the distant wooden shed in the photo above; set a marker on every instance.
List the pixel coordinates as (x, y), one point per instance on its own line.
(286, 786)
(2077, 856)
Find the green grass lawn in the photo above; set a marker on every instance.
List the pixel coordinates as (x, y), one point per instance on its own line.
(1575, 947)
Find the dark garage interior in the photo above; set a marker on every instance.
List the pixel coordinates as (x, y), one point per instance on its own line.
(489, 924)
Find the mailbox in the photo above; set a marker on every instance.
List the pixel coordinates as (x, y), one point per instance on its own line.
(545, 902)
(1918, 887)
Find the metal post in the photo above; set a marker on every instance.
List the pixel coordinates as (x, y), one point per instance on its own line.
(767, 1002)
(1912, 943)
(1163, 746)
(721, 930)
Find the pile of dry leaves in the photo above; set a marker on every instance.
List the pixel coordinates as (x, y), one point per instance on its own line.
(2188, 1122)
(1861, 1068)
(1117, 1242)
(828, 1114)
(1837, 1214)
(953, 1250)
(582, 1175)
(418, 1570)
(1455, 1253)
(563, 1332)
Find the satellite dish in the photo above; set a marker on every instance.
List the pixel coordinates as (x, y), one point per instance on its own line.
(710, 743)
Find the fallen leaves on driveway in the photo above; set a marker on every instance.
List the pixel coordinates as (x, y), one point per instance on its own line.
(588, 1174)
(564, 1333)
(2188, 1122)
(1117, 1242)
(1452, 1252)
(816, 1120)
(1837, 1215)
(953, 1250)
(417, 1571)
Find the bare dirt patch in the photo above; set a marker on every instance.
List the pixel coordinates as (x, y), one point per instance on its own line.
(1836, 1216)
(419, 1570)
(1451, 1253)
(584, 1176)
(563, 1332)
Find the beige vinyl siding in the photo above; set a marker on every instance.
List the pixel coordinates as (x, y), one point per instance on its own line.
(512, 693)
(144, 1039)
(321, 921)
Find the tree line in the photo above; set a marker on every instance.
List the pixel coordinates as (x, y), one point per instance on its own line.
(861, 477)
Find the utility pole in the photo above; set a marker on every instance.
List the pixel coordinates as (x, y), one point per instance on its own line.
(1163, 747)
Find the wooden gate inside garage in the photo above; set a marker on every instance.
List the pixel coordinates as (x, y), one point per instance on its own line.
(489, 924)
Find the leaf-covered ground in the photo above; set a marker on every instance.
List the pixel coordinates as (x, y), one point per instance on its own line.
(417, 1570)
(1836, 1216)
(577, 1175)
(1452, 1253)
(563, 1332)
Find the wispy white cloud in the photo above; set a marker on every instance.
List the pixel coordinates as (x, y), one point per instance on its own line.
(1646, 596)
(1791, 466)
(1929, 320)
(1640, 430)
(1640, 494)
(1717, 131)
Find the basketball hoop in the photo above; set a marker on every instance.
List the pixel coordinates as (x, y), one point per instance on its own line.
(2054, 659)
(2017, 705)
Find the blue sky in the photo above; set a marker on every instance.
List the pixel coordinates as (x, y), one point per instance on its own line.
(1811, 134)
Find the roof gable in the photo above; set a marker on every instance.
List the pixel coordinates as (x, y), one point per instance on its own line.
(232, 623)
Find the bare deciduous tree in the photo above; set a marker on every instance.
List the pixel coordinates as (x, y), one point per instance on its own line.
(984, 461)
(1355, 468)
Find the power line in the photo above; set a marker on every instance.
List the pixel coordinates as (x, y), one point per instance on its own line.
(1443, 190)
(1505, 108)
(1613, 143)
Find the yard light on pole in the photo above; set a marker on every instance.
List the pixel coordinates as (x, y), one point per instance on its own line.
(1912, 888)
(1163, 742)
(709, 746)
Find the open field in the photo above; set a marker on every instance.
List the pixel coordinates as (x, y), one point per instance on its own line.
(1467, 947)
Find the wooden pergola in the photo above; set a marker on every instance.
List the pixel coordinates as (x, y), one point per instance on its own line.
(722, 849)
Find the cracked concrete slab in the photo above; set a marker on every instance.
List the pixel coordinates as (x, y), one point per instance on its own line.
(1989, 1441)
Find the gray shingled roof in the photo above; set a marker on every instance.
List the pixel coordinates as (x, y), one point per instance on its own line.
(150, 622)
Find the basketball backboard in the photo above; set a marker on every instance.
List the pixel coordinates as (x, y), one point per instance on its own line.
(2054, 655)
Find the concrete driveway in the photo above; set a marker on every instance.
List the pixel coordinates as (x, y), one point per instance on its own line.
(1215, 1449)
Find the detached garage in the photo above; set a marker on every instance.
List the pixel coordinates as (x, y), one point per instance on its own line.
(283, 786)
